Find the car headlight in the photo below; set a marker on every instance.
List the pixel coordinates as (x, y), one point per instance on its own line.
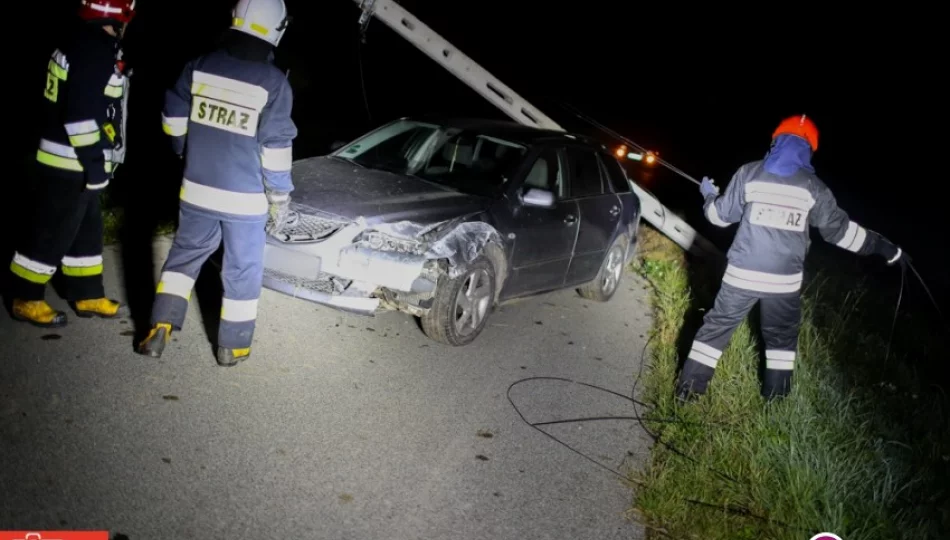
(383, 242)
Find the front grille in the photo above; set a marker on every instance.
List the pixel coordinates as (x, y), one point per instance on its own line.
(309, 228)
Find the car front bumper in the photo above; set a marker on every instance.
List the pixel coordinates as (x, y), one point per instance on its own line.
(350, 278)
(362, 268)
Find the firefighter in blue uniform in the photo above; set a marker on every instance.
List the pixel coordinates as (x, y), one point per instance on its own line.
(229, 116)
(774, 200)
(83, 91)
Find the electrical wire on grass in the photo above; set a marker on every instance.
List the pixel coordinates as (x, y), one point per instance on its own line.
(730, 509)
(637, 417)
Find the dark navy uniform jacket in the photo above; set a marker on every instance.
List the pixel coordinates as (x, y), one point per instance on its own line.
(83, 93)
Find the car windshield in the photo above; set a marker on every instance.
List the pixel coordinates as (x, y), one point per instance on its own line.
(465, 161)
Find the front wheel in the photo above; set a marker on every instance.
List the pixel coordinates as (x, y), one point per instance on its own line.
(461, 306)
(608, 278)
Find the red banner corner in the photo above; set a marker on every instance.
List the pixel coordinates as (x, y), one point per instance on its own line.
(54, 535)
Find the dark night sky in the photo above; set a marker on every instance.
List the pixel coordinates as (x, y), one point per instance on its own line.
(705, 89)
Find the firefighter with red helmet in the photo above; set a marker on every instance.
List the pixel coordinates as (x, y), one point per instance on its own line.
(774, 200)
(81, 139)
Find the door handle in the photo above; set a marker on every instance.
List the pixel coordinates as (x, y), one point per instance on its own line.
(614, 211)
(570, 218)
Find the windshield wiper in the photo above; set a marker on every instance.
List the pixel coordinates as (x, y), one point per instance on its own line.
(403, 172)
(347, 160)
(430, 182)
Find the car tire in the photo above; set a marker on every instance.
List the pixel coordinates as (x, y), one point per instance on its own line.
(603, 287)
(457, 300)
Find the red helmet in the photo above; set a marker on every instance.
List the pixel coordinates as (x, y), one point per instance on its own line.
(117, 10)
(800, 126)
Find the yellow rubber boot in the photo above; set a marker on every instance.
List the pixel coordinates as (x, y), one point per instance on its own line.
(38, 313)
(154, 344)
(104, 308)
(232, 357)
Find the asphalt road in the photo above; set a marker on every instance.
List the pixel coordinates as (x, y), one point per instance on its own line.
(338, 427)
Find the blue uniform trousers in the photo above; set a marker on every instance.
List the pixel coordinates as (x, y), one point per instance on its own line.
(781, 320)
(199, 235)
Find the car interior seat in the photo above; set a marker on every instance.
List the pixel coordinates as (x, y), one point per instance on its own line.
(454, 158)
(538, 177)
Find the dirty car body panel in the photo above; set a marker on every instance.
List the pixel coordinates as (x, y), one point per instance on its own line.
(382, 221)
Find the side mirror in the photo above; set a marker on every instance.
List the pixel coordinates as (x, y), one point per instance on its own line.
(337, 145)
(538, 197)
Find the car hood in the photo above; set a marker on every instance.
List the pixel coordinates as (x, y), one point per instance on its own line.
(348, 191)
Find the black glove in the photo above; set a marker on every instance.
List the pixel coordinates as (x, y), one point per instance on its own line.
(892, 253)
(902, 258)
(98, 175)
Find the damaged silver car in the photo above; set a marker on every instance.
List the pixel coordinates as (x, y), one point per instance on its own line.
(446, 219)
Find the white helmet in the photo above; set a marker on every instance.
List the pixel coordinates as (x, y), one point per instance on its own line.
(264, 19)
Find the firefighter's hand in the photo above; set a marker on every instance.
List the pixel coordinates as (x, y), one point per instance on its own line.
(278, 212)
(96, 176)
(708, 188)
(893, 255)
(899, 258)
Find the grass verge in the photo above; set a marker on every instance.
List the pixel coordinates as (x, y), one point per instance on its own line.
(860, 448)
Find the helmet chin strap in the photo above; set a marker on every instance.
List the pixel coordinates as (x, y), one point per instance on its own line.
(107, 24)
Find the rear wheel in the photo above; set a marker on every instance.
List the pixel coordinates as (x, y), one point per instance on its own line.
(603, 287)
(462, 305)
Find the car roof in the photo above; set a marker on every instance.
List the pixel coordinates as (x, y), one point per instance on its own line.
(510, 130)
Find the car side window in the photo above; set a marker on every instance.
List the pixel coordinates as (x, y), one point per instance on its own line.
(546, 174)
(615, 173)
(586, 179)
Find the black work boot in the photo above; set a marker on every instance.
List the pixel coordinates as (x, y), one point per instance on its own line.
(776, 384)
(232, 357)
(154, 344)
(693, 380)
(687, 391)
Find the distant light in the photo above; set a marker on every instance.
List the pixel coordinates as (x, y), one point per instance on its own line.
(621, 151)
(634, 156)
(651, 158)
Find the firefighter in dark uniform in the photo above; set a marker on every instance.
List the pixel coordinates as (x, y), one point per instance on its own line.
(83, 91)
(229, 115)
(774, 200)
